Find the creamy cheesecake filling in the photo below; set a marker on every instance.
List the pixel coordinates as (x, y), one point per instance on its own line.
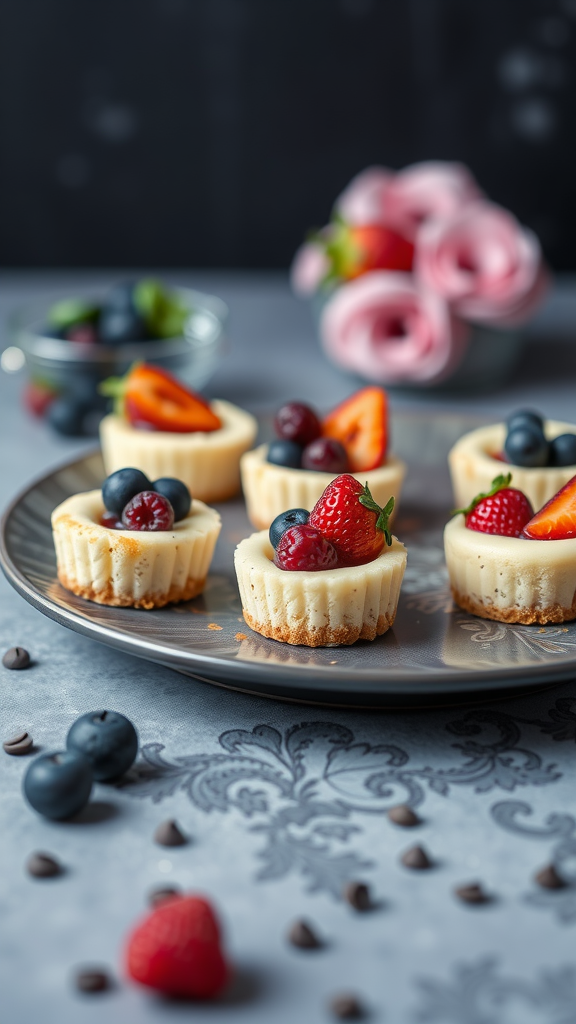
(270, 489)
(318, 609)
(473, 466)
(510, 579)
(132, 568)
(208, 463)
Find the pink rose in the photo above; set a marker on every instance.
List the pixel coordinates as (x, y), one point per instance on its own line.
(483, 263)
(387, 329)
(309, 268)
(408, 199)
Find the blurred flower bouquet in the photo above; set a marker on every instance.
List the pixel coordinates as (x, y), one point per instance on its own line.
(419, 276)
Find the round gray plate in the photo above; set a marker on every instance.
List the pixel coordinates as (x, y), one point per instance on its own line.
(433, 653)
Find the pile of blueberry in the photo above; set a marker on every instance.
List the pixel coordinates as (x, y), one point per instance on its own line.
(526, 444)
(100, 747)
(300, 445)
(133, 503)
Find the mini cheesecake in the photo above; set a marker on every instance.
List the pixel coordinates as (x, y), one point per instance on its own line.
(318, 609)
(208, 463)
(132, 568)
(511, 579)
(270, 489)
(473, 466)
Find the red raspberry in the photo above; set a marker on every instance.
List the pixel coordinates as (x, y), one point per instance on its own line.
(348, 516)
(175, 949)
(302, 548)
(504, 511)
(148, 511)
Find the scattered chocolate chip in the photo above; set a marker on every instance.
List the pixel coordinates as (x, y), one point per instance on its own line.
(158, 896)
(16, 657)
(473, 893)
(92, 981)
(20, 744)
(347, 1007)
(302, 935)
(404, 816)
(168, 834)
(416, 858)
(42, 865)
(357, 894)
(549, 878)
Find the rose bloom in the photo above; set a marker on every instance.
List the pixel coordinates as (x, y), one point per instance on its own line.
(386, 328)
(484, 263)
(408, 199)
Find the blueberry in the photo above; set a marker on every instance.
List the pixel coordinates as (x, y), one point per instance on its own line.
(563, 450)
(526, 446)
(285, 453)
(177, 493)
(120, 487)
(58, 785)
(121, 296)
(117, 326)
(283, 522)
(66, 415)
(109, 741)
(525, 418)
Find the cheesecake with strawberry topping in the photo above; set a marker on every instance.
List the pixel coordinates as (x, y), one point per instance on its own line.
(294, 470)
(135, 543)
(509, 564)
(165, 429)
(324, 578)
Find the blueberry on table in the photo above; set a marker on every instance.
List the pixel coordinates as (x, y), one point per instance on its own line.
(283, 522)
(285, 453)
(563, 450)
(120, 487)
(525, 418)
(297, 422)
(107, 739)
(177, 493)
(58, 785)
(325, 455)
(527, 447)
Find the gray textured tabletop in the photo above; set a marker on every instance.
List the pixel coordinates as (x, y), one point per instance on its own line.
(494, 783)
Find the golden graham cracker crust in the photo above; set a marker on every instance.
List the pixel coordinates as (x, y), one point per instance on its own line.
(324, 636)
(526, 616)
(107, 596)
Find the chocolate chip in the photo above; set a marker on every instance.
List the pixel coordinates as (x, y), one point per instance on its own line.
(416, 858)
(404, 816)
(357, 894)
(302, 935)
(42, 865)
(16, 657)
(346, 1007)
(158, 896)
(549, 878)
(92, 981)
(473, 893)
(20, 744)
(168, 834)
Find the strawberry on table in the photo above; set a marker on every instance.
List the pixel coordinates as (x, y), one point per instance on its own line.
(557, 520)
(360, 424)
(350, 519)
(503, 510)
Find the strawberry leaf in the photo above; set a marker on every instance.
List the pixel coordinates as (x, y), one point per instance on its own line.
(498, 484)
(383, 514)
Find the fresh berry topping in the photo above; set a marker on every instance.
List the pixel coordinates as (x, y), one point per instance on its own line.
(355, 249)
(297, 422)
(148, 511)
(526, 446)
(293, 517)
(302, 548)
(360, 423)
(58, 785)
(348, 516)
(503, 510)
(175, 949)
(109, 741)
(37, 398)
(111, 521)
(525, 418)
(120, 487)
(285, 453)
(563, 450)
(149, 395)
(325, 456)
(177, 493)
(557, 520)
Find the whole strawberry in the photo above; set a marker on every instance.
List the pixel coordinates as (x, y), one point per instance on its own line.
(504, 510)
(350, 519)
(175, 949)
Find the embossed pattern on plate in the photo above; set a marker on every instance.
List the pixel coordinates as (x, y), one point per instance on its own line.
(433, 649)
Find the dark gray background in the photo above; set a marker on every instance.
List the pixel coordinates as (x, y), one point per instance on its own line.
(215, 132)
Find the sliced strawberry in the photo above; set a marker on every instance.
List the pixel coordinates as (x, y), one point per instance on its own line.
(153, 396)
(557, 520)
(347, 515)
(354, 249)
(360, 423)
